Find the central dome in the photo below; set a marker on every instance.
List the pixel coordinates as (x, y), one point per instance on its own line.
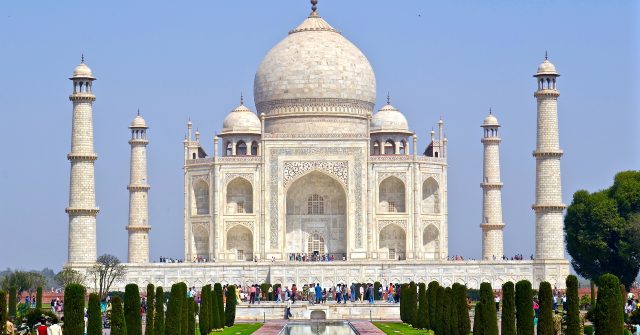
(315, 70)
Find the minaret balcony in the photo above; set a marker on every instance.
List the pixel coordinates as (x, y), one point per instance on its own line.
(546, 93)
(495, 186)
(82, 157)
(80, 97)
(82, 211)
(548, 207)
(134, 188)
(547, 153)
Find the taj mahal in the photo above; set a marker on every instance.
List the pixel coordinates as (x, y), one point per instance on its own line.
(317, 171)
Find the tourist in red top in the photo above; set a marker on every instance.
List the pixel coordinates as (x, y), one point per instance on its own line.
(42, 328)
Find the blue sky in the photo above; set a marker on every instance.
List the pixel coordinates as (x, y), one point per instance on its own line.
(176, 60)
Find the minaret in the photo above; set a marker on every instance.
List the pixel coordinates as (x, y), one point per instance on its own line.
(492, 225)
(548, 206)
(138, 190)
(82, 208)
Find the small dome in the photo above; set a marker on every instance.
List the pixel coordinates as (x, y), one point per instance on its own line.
(82, 71)
(241, 120)
(546, 68)
(389, 119)
(138, 122)
(490, 121)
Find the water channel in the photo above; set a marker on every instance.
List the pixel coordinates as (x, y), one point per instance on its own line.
(319, 328)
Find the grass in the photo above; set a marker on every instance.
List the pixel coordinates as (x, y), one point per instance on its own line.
(240, 329)
(397, 328)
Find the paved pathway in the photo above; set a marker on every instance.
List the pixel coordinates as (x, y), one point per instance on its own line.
(272, 327)
(366, 328)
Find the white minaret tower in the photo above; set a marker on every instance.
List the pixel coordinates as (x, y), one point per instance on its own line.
(492, 225)
(548, 206)
(82, 208)
(138, 190)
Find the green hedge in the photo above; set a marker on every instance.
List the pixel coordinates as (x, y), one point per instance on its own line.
(39, 298)
(13, 301)
(230, 310)
(545, 314)
(158, 321)
(203, 317)
(184, 309)
(447, 324)
(574, 324)
(423, 308)
(412, 309)
(4, 317)
(74, 309)
(432, 290)
(191, 310)
(524, 310)
(94, 314)
(217, 290)
(404, 301)
(118, 324)
(150, 317)
(132, 309)
(461, 308)
(440, 302)
(508, 322)
(477, 319)
(609, 313)
(489, 324)
(174, 308)
(218, 322)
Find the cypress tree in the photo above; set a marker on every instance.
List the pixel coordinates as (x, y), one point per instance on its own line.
(184, 310)
(203, 317)
(217, 322)
(489, 314)
(574, 326)
(376, 290)
(132, 309)
(158, 322)
(413, 304)
(609, 317)
(12, 301)
(524, 309)
(151, 292)
(191, 302)
(4, 317)
(545, 315)
(74, 309)
(477, 320)
(462, 311)
(214, 323)
(423, 309)
(94, 322)
(118, 324)
(403, 302)
(219, 294)
(172, 320)
(440, 301)
(230, 310)
(446, 312)
(508, 323)
(39, 298)
(431, 303)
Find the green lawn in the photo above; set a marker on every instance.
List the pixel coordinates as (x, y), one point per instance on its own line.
(397, 328)
(241, 329)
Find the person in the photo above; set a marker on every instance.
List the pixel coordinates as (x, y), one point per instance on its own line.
(55, 329)
(361, 292)
(23, 328)
(270, 292)
(391, 294)
(352, 292)
(287, 310)
(324, 295)
(318, 293)
(380, 291)
(338, 295)
(252, 294)
(497, 301)
(42, 328)
(294, 292)
(278, 293)
(10, 327)
(371, 296)
(258, 292)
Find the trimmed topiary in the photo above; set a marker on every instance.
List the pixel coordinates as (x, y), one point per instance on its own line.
(489, 314)
(403, 302)
(423, 308)
(13, 302)
(158, 320)
(477, 319)
(4, 316)
(118, 324)
(432, 290)
(524, 309)
(149, 318)
(215, 312)
(94, 315)
(447, 324)
(413, 305)
(191, 304)
(184, 309)
(74, 309)
(574, 324)
(203, 317)
(174, 308)
(39, 298)
(461, 309)
(230, 309)
(609, 316)
(440, 302)
(132, 309)
(508, 322)
(545, 314)
(217, 290)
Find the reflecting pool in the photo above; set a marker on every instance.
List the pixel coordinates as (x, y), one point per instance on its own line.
(319, 328)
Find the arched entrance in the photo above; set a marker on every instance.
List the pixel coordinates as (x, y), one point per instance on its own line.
(240, 243)
(393, 242)
(316, 216)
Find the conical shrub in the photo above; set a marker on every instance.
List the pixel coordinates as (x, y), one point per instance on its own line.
(220, 298)
(609, 307)
(174, 307)
(524, 309)
(132, 309)
(203, 317)
(462, 311)
(489, 314)
(74, 310)
(158, 321)
(150, 317)
(191, 310)
(230, 310)
(545, 314)
(508, 322)
(118, 324)
(432, 291)
(94, 314)
(423, 308)
(574, 324)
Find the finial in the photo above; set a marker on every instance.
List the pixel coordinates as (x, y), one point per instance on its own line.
(314, 6)
(489, 110)
(241, 99)
(138, 111)
(546, 55)
(82, 58)
(388, 99)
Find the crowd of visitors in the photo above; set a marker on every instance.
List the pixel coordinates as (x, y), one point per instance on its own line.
(304, 257)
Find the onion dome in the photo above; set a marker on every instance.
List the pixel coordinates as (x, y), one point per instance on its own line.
(546, 68)
(82, 71)
(389, 120)
(138, 122)
(241, 120)
(490, 121)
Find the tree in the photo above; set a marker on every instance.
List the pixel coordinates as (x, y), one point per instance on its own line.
(105, 272)
(184, 311)
(423, 309)
(462, 310)
(217, 322)
(574, 324)
(446, 312)
(203, 317)
(545, 315)
(174, 308)
(440, 302)
(508, 322)
(132, 309)
(477, 319)
(489, 324)
(609, 307)
(602, 230)
(431, 302)
(39, 298)
(403, 302)
(12, 301)
(3, 313)
(191, 302)
(524, 309)
(74, 309)
(69, 276)
(413, 304)
(118, 324)
(230, 309)
(149, 327)
(94, 313)
(158, 322)
(220, 299)
(24, 281)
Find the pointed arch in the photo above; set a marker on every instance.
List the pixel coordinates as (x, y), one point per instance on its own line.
(241, 148)
(254, 148)
(431, 241)
(430, 196)
(391, 195)
(200, 237)
(392, 242)
(239, 196)
(201, 195)
(389, 147)
(240, 243)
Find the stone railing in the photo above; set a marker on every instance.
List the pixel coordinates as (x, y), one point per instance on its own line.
(239, 159)
(406, 158)
(200, 161)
